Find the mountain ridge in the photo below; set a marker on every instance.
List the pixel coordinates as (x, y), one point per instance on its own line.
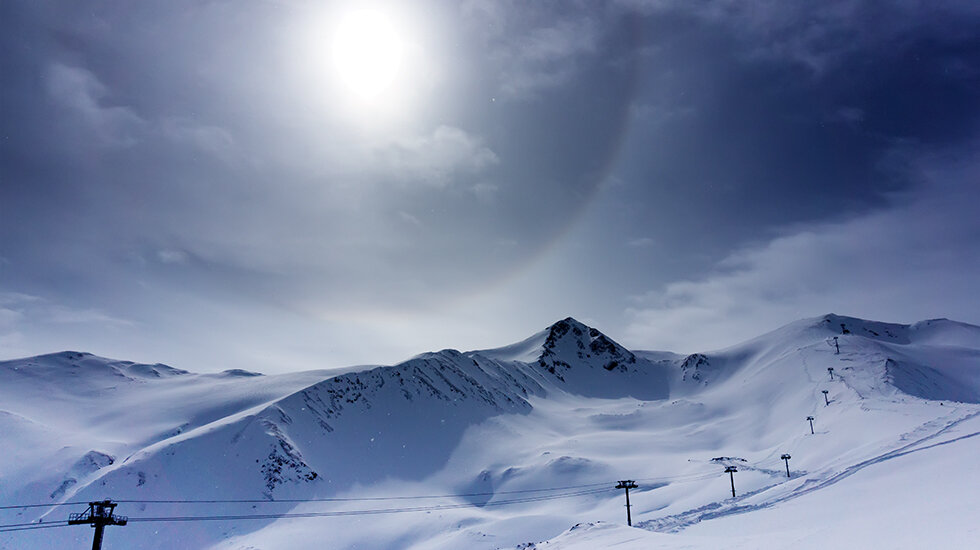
(143, 430)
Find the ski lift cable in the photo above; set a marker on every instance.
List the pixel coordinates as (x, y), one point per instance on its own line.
(437, 507)
(358, 499)
(48, 505)
(31, 527)
(378, 511)
(677, 478)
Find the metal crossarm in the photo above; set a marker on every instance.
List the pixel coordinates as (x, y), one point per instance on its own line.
(98, 515)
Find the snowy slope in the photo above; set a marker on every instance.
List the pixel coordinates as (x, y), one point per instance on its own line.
(568, 407)
(886, 467)
(82, 413)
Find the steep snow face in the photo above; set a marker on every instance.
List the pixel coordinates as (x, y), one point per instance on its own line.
(401, 421)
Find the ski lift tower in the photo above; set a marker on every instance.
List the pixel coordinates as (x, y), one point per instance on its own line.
(98, 515)
(731, 472)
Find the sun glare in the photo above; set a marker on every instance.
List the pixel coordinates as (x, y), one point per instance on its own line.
(369, 63)
(368, 54)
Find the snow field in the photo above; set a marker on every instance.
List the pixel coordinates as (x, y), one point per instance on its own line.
(567, 407)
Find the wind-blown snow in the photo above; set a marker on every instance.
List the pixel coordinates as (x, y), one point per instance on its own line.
(567, 407)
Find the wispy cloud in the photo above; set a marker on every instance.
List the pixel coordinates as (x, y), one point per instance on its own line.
(817, 35)
(435, 159)
(172, 256)
(88, 102)
(485, 191)
(213, 140)
(885, 265)
(16, 298)
(65, 315)
(641, 242)
(531, 49)
(81, 93)
(409, 219)
(18, 308)
(27, 322)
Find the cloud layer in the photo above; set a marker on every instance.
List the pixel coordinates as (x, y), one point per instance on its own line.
(912, 260)
(192, 169)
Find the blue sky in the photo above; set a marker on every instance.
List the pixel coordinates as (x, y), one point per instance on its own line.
(283, 185)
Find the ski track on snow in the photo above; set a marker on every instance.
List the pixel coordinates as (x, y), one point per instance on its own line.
(677, 522)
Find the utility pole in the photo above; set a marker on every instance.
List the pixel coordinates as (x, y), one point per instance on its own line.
(825, 400)
(731, 472)
(786, 458)
(98, 515)
(831, 371)
(810, 418)
(627, 484)
(836, 345)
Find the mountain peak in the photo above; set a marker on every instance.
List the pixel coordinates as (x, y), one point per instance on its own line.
(566, 324)
(570, 339)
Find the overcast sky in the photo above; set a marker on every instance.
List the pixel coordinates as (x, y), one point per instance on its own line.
(281, 185)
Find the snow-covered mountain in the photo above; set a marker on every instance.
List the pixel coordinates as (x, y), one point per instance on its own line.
(565, 413)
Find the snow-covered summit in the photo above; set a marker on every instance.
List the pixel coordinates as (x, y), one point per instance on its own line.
(931, 359)
(582, 360)
(85, 365)
(942, 331)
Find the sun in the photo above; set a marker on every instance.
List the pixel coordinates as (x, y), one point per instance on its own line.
(371, 64)
(369, 56)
